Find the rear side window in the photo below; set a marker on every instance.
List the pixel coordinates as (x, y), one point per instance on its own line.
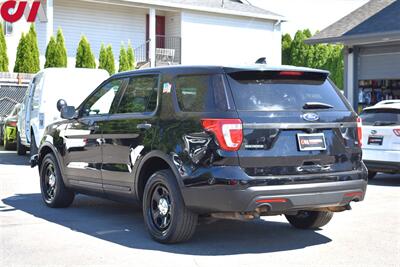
(199, 93)
(269, 91)
(140, 95)
(381, 117)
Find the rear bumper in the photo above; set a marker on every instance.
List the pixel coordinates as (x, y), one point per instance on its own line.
(382, 166)
(278, 198)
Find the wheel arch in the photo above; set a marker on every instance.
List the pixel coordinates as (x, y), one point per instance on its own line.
(47, 148)
(151, 163)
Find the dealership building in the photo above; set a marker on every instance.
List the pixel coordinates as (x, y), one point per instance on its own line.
(371, 39)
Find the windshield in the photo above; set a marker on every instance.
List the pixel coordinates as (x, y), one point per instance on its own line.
(256, 91)
(381, 117)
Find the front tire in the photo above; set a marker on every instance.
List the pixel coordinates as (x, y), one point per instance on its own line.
(165, 214)
(310, 219)
(21, 149)
(54, 192)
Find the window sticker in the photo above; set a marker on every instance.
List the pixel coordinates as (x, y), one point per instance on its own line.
(167, 88)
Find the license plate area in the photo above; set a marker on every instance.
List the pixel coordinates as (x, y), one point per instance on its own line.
(376, 140)
(311, 142)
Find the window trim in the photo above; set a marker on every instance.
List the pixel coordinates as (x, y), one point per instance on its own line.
(139, 114)
(117, 96)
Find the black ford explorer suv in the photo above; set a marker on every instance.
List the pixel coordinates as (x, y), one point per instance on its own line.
(209, 142)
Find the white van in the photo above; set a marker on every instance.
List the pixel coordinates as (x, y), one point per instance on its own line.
(39, 107)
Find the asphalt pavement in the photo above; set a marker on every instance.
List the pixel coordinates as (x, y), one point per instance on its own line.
(97, 232)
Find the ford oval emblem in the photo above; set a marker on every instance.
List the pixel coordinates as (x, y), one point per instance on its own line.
(311, 116)
(374, 132)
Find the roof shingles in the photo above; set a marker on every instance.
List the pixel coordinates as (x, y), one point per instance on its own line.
(375, 17)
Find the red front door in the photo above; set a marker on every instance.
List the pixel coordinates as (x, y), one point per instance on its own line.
(160, 31)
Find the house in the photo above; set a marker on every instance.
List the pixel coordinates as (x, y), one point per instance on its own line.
(371, 36)
(163, 32)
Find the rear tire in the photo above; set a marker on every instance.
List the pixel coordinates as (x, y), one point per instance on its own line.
(21, 149)
(310, 219)
(371, 175)
(165, 214)
(54, 192)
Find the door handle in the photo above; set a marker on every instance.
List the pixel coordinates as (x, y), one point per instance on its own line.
(144, 126)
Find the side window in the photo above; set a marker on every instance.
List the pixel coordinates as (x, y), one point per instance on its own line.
(100, 103)
(140, 95)
(198, 93)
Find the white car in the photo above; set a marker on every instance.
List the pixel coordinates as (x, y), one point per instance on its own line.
(39, 107)
(381, 137)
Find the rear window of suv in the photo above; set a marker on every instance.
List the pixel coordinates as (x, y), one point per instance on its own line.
(270, 91)
(381, 117)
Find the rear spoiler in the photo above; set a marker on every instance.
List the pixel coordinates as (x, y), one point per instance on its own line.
(251, 75)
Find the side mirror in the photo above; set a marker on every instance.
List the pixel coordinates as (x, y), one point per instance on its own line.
(68, 112)
(61, 103)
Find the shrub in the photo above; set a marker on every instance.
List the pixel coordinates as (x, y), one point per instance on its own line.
(62, 58)
(51, 53)
(84, 55)
(131, 57)
(27, 59)
(3, 52)
(123, 59)
(106, 59)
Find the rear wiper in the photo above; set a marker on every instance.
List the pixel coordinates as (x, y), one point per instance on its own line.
(384, 123)
(316, 105)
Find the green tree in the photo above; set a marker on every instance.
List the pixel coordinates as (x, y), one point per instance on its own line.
(106, 59)
(51, 53)
(123, 59)
(84, 55)
(110, 60)
(320, 56)
(131, 57)
(62, 58)
(286, 49)
(34, 50)
(56, 52)
(3, 52)
(102, 57)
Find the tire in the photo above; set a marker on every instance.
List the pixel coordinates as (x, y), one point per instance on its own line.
(33, 149)
(371, 175)
(310, 219)
(173, 222)
(54, 192)
(21, 149)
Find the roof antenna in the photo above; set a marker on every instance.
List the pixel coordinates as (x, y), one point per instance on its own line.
(223, 3)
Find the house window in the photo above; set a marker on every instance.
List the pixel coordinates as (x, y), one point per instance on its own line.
(7, 28)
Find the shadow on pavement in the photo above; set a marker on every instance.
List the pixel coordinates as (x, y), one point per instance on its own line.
(123, 224)
(11, 158)
(386, 180)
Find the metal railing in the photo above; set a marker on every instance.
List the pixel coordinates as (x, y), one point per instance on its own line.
(168, 51)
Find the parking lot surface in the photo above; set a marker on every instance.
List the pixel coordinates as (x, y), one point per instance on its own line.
(96, 232)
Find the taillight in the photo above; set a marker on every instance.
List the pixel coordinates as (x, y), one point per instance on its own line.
(291, 73)
(359, 131)
(229, 132)
(396, 132)
(11, 124)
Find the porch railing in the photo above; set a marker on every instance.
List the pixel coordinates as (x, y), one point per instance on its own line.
(168, 51)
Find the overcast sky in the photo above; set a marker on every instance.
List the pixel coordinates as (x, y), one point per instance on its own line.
(312, 14)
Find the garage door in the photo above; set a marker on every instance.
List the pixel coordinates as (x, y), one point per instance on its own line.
(379, 63)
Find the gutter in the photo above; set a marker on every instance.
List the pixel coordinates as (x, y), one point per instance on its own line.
(175, 6)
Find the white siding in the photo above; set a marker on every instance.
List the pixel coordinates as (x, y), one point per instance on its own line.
(106, 23)
(172, 24)
(227, 40)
